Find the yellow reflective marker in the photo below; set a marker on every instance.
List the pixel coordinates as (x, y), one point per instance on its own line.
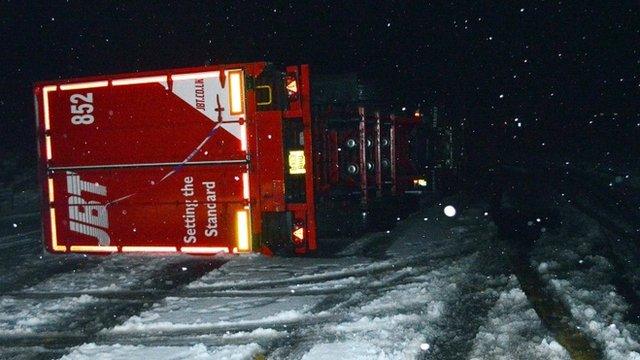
(243, 231)
(236, 92)
(297, 162)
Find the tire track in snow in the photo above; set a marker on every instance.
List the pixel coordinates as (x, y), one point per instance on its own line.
(322, 313)
(85, 325)
(622, 255)
(582, 273)
(517, 235)
(514, 331)
(301, 338)
(374, 306)
(477, 294)
(261, 288)
(554, 314)
(32, 274)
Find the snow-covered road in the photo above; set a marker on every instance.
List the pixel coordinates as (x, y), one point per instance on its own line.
(439, 288)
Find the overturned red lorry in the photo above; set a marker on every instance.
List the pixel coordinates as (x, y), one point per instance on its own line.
(224, 158)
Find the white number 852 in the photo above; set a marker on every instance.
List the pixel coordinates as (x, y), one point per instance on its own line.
(82, 107)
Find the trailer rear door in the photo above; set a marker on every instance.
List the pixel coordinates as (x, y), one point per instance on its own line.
(146, 163)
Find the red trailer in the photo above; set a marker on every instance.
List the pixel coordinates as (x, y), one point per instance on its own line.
(215, 159)
(199, 160)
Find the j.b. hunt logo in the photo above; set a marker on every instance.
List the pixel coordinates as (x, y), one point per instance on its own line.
(87, 217)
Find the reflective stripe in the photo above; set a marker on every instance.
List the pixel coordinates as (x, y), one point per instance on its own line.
(140, 80)
(50, 189)
(81, 248)
(245, 186)
(204, 250)
(149, 249)
(200, 75)
(47, 141)
(45, 105)
(85, 85)
(121, 166)
(54, 232)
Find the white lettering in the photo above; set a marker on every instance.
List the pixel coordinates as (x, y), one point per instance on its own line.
(87, 218)
(199, 95)
(81, 109)
(189, 216)
(211, 230)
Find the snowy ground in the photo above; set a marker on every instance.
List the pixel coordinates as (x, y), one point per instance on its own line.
(572, 264)
(435, 288)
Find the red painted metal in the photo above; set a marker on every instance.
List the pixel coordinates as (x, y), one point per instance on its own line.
(362, 137)
(406, 169)
(174, 161)
(387, 167)
(393, 155)
(332, 151)
(305, 93)
(378, 152)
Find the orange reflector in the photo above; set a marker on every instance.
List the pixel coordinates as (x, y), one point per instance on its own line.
(299, 233)
(420, 182)
(292, 86)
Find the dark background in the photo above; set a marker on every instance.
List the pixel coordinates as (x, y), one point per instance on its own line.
(566, 71)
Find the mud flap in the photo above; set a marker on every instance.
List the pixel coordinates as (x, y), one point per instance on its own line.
(276, 232)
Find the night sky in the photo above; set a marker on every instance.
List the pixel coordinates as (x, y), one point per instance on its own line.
(567, 72)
